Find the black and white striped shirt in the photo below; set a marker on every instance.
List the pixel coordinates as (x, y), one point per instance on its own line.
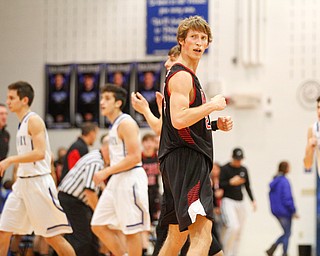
(80, 176)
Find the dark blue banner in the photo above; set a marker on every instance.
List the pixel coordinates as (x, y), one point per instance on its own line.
(163, 18)
(58, 100)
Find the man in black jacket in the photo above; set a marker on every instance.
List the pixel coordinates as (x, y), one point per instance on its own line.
(233, 177)
(80, 147)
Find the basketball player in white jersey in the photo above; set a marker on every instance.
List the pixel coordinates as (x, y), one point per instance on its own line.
(123, 205)
(312, 155)
(33, 205)
(313, 141)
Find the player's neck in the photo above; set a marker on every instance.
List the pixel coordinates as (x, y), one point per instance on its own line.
(22, 113)
(113, 116)
(189, 62)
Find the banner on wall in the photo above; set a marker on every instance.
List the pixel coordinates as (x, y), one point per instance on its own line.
(120, 74)
(58, 83)
(163, 18)
(87, 93)
(147, 82)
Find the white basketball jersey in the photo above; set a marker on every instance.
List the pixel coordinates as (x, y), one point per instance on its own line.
(117, 149)
(316, 133)
(25, 145)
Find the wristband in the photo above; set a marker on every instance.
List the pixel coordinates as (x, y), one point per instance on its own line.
(214, 125)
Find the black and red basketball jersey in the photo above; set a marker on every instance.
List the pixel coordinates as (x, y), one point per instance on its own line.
(198, 136)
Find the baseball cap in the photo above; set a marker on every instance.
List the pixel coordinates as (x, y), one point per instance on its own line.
(237, 154)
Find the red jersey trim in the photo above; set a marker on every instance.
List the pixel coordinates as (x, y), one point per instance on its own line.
(193, 194)
(185, 135)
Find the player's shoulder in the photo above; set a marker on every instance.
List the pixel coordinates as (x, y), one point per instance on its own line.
(127, 120)
(34, 117)
(35, 121)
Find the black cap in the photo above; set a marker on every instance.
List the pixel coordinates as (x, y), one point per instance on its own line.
(237, 154)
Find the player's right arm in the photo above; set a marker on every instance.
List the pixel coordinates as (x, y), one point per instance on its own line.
(310, 148)
(181, 91)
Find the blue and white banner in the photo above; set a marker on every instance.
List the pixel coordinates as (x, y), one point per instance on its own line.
(58, 100)
(163, 18)
(87, 93)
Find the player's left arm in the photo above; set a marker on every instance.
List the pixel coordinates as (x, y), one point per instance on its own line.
(128, 131)
(248, 188)
(36, 129)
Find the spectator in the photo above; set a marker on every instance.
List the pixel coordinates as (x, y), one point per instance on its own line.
(4, 134)
(150, 164)
(217, 197)
(233, 177)
(282, 206)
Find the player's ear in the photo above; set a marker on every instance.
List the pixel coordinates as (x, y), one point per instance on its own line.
(25, 100)
(118, 104)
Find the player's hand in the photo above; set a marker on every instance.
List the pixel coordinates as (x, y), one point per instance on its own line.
(139, 103)
(312, 142)
(237, 180)
(254, 206)
(4, 164)
(100, 176)
(225, 123)
(219, 102)
(90, 198)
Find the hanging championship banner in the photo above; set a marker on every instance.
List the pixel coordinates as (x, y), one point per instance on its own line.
(163, 18)
(120, 74)
(87, 93)
(147, 82)
(58, 83)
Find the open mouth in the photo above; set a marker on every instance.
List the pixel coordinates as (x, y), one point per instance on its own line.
(197, 50)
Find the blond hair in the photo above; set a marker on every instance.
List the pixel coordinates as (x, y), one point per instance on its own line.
(196, 23)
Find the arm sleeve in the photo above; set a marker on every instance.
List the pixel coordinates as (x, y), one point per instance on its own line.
(247, 185)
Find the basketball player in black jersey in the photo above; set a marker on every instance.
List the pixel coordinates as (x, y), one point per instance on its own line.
(186, 149)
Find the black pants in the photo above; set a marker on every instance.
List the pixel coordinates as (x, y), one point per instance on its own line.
(84, 242)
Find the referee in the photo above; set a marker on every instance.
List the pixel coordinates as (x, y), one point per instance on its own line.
(78, 196)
